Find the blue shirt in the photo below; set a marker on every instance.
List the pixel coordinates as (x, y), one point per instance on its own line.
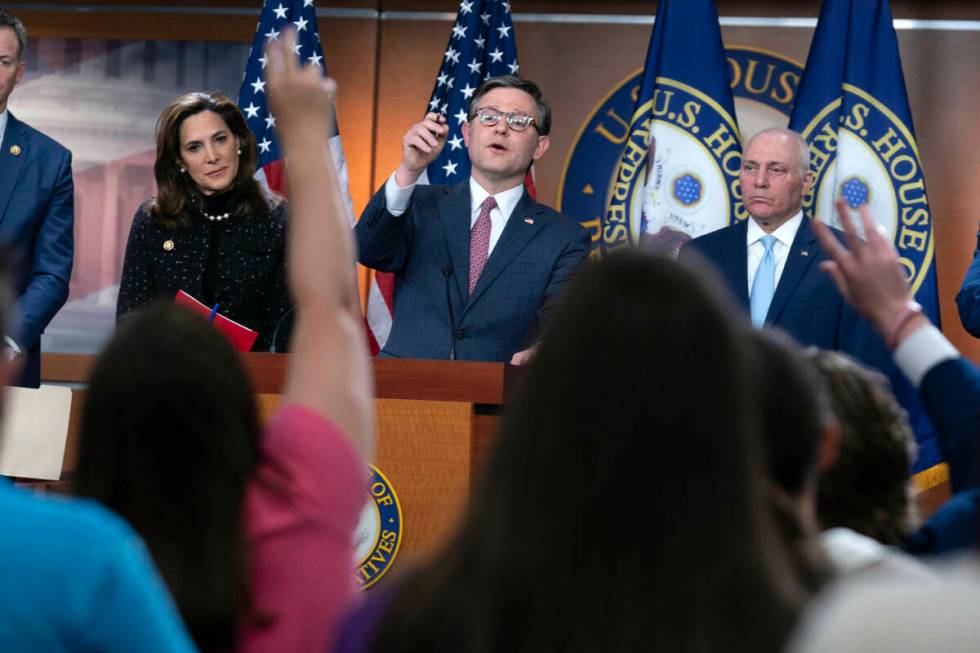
(74, 577)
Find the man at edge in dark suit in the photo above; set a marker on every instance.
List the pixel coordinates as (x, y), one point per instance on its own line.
(478, 263)
(968, 298)
(36, 214)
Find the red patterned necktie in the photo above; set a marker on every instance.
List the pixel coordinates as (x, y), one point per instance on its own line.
(480, 241)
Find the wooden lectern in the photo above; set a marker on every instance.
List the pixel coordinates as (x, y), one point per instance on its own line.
(435, 421)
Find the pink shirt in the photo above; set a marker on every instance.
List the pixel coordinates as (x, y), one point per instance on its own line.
(300, 515)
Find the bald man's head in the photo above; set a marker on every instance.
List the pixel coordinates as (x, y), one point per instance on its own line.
(775, 176)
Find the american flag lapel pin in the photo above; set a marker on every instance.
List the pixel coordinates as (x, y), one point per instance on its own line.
(529, 220)
(803, 252)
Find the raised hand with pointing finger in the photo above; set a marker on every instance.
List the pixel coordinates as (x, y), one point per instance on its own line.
(421, 146)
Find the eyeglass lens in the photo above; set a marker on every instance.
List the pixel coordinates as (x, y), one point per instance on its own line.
(516, 121)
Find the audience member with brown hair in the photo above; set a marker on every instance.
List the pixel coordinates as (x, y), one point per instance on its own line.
(866, 488)
(798, 430)
(253, 530)
(615, 511)
(803, 441)
(864, 503)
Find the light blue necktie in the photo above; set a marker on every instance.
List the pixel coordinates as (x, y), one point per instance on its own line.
(764, 284)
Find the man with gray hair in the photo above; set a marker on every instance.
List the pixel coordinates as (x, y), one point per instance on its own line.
(771, 261)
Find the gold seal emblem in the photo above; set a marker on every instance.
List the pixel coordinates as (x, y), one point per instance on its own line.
(379, 531)
(15, 150)
(168, 245)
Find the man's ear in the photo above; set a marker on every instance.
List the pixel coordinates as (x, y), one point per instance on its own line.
(466, 133)
(807, 181)
(541, 147)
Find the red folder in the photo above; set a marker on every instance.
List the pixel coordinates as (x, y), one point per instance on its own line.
(242, 338)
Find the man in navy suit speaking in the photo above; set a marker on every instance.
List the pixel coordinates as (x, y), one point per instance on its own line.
(476, 264)
(771, 260)
(36, 214)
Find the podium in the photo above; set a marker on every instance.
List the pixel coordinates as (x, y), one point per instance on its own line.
(435, 421)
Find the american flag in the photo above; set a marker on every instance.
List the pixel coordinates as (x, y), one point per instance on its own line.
(481, 46)
(278, 15)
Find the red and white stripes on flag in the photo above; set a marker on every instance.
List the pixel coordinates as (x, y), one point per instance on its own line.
(299, 15)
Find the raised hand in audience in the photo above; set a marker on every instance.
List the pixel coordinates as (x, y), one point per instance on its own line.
(330, 370)
(869, 275)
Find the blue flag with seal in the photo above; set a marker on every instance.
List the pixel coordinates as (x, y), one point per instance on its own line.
(678, 174)
(853, 110)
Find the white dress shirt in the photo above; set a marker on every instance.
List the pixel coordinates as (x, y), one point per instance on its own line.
(397, 199)
(780, 249)
(3, 123)
(921, 351)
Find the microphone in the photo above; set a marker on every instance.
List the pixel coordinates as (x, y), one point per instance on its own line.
(447, 273)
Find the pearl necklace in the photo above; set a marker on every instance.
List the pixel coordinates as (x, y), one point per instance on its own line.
(216, 218)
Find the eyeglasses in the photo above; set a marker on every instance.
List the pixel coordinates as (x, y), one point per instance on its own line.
(517, 121)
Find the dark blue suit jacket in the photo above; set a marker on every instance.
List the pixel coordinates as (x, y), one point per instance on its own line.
(950, 393)
(806, 304)
(427, 248)
(37, 218)
(968, 298)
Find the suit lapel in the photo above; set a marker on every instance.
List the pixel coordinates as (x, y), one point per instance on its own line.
(798, 261)
(16, 135)
(522, 225)
(454, 214)
(736, 261)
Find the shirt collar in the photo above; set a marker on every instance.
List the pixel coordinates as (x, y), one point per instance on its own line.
(3, 123)
(506, 200)
(784, 234)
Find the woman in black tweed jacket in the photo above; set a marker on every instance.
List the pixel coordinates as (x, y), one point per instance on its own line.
(212, 230)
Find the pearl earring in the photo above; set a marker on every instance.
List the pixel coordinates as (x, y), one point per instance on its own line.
(183, 169)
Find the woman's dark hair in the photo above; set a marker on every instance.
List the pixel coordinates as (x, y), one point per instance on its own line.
(176, 189)
(795, 410)
(622, 504)
(169, 438)
(867, 488)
